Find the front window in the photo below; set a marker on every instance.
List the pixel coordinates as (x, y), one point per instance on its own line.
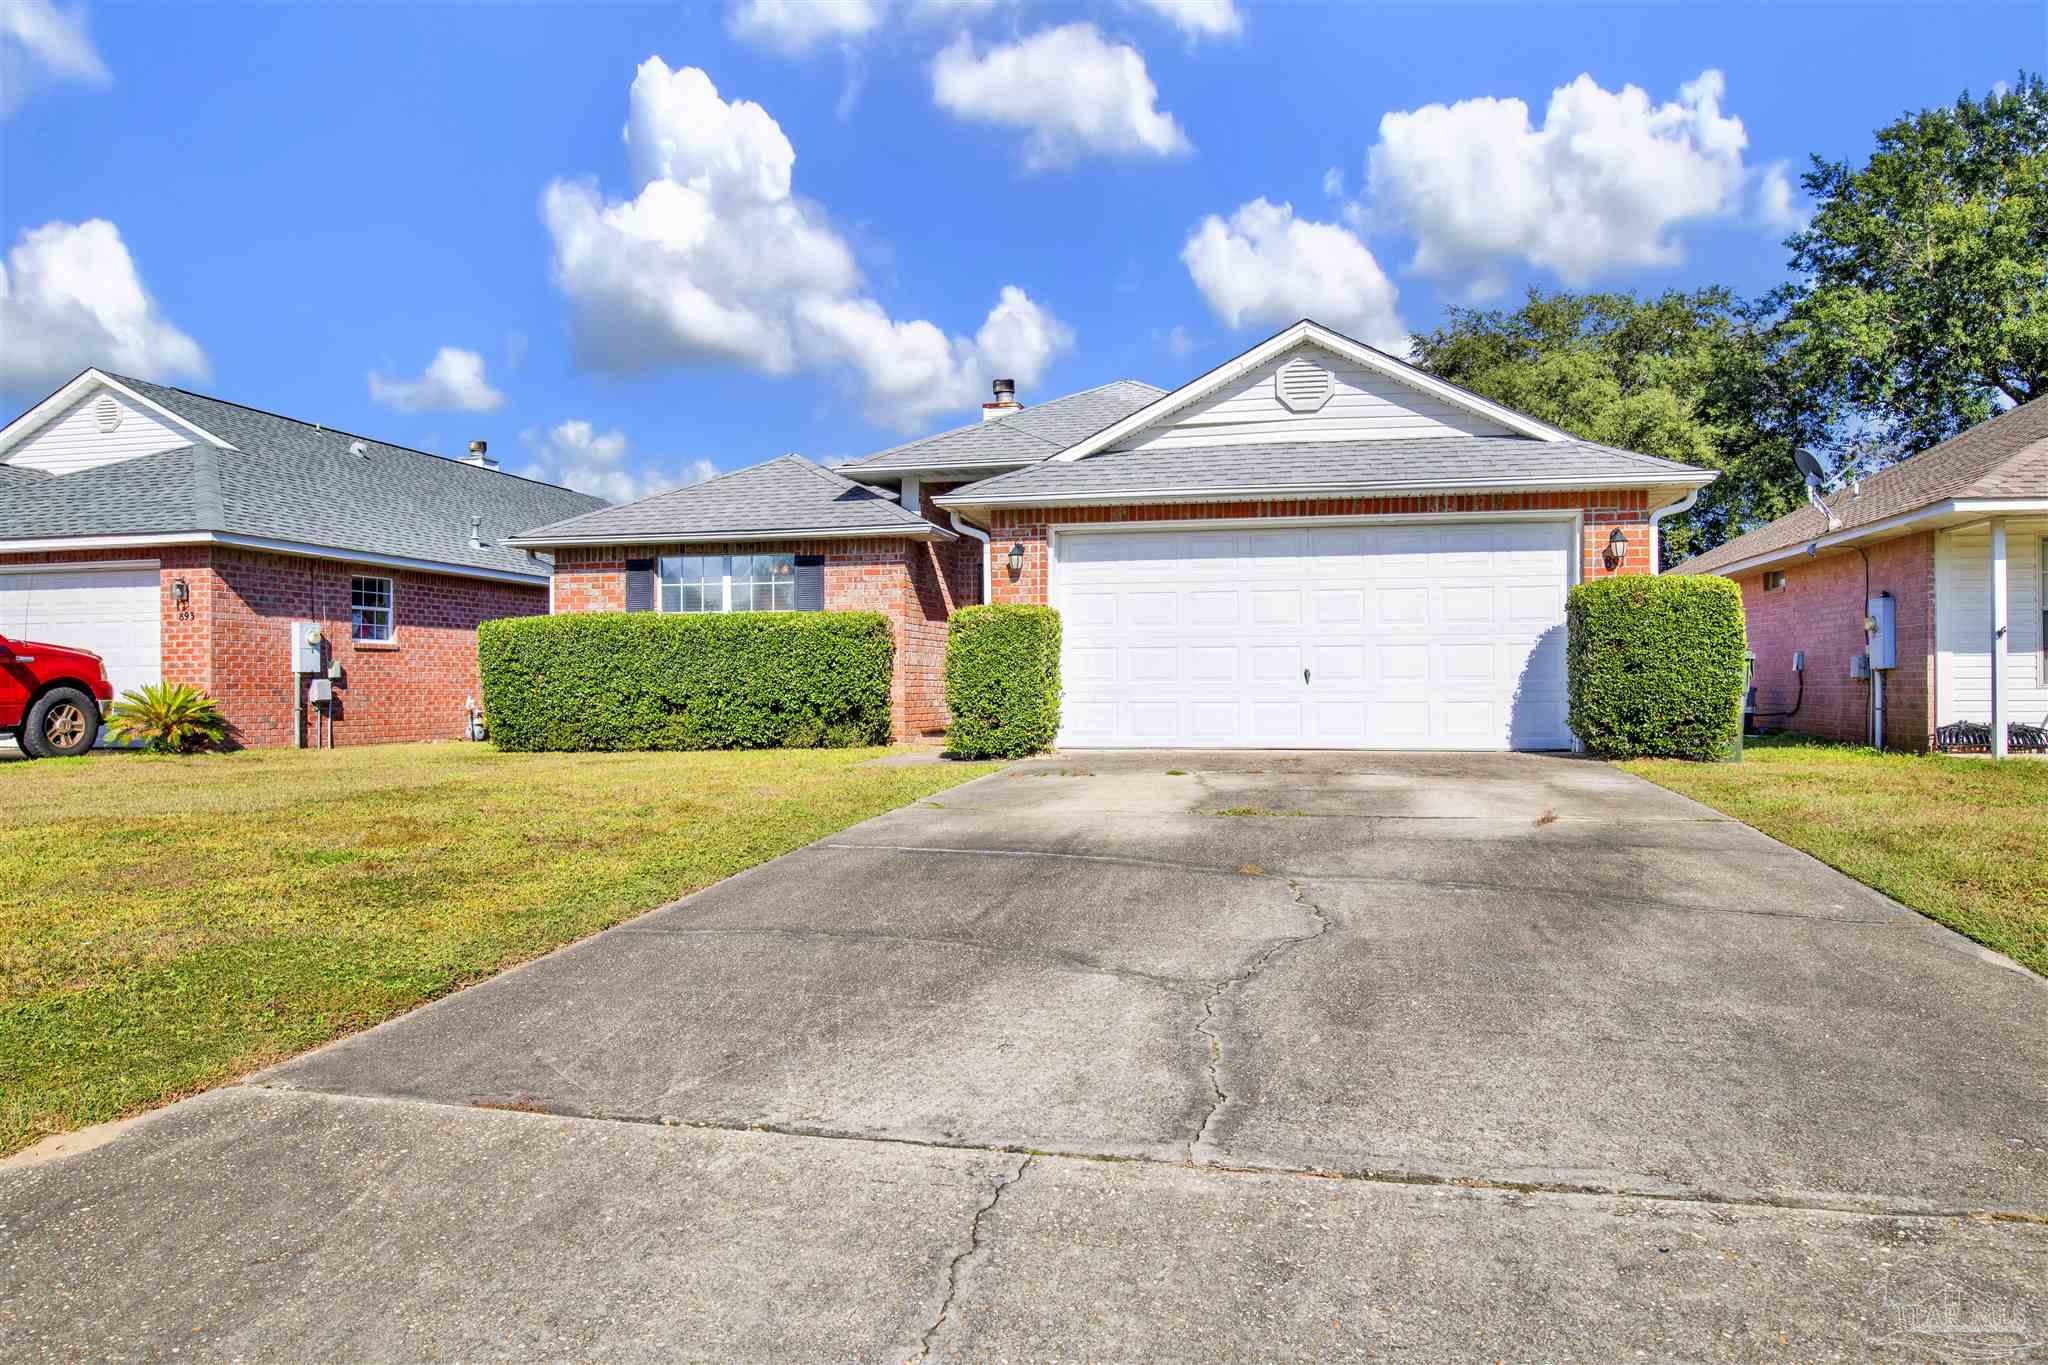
(728, 582)
(369, 609)
(763, 582)
(1774, 580)
(692, 582)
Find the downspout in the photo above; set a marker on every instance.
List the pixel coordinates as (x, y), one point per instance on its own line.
(987, 571)
(1685, 504)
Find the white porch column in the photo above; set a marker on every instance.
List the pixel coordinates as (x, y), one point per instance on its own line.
(1999, 595)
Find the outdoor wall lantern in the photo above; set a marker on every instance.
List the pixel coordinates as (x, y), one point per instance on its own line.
(180, 593)
(1016, 559)
(1617, 548)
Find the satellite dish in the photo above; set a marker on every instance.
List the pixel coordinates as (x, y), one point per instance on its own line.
(1816, 474)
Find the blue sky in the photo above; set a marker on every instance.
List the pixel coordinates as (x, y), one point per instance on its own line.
(313, 196)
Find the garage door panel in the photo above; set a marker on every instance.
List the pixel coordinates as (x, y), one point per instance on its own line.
(1213, 609)
(1213, 664)
(1213, 722)
(1533, 604)
(1153, 664)
(1340, 664)
(1468, 606)
(1396, 608)
(1276, 607)
(1440, 635)
(1276, 663)
(1089, 610)
(1278, 723)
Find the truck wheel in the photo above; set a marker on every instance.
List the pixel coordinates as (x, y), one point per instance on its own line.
(63, 722)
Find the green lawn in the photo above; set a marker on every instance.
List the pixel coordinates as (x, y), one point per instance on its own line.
(1961, 840)
(169, 923)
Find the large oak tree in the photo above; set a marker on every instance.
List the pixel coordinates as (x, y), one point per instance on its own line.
(1921, 298)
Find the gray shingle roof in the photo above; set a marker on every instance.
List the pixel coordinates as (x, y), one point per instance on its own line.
(2006, 457)
(1026, 436)
(1274, 470)
(291, 481)
(787, 495)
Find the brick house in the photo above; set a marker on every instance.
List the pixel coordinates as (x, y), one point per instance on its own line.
(180, 537)
(1956, 538)
(1312, 545)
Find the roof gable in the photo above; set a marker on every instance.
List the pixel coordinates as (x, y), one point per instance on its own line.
(96, 419)
(1380, 382)
(1309, 393)
(787, 497)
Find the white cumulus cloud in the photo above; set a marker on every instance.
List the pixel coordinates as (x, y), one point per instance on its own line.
(70, 297)
(1262, 265)
(717, 260)
(1779, 203)
(41, 43)
(1072, 89)
(1199, 18)
(798, 25)
(577, 455)
(1599, 185)
(454, 382)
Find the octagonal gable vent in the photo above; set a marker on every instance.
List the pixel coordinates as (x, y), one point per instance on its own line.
(1302, 385)
(108, 412)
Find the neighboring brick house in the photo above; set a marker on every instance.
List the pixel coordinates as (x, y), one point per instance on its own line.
(1933, 533)
(180, 537)
(1314, 545)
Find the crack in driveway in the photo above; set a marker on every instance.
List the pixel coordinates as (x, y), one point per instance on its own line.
(1204, 1028)
(958, 1267)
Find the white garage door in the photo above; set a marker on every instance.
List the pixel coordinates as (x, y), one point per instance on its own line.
(1432, 636)
(111, 611)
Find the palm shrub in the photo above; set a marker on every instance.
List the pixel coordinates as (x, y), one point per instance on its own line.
(1656, 665)
(169, 718)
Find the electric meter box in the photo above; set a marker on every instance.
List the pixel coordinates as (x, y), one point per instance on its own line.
(1884, 632)
(306, 647)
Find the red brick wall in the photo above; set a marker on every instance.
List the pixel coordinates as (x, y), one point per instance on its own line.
(590, 579)
(909, 582)
(232, 639)
(1604, 512)
(1821, 610)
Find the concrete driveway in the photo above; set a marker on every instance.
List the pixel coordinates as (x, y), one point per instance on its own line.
(1133, 1056)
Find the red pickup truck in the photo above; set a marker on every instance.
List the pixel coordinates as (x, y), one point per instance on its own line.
(51, 697)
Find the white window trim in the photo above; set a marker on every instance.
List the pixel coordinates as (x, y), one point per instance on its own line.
(725, 606)
(390, 609)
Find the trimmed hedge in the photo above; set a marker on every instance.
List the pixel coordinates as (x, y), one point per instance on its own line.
(1003, 681)
(644, 680)
(1656, 665)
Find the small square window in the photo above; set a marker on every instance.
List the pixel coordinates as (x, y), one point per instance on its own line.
(1774, 580)
(369, 601)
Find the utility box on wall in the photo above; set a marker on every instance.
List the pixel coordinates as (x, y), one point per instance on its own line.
(306, 647)
(1883, 624)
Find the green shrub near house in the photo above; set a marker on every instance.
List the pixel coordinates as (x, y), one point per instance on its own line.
(645, 680)
(1003, 680)
(1656, 665)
